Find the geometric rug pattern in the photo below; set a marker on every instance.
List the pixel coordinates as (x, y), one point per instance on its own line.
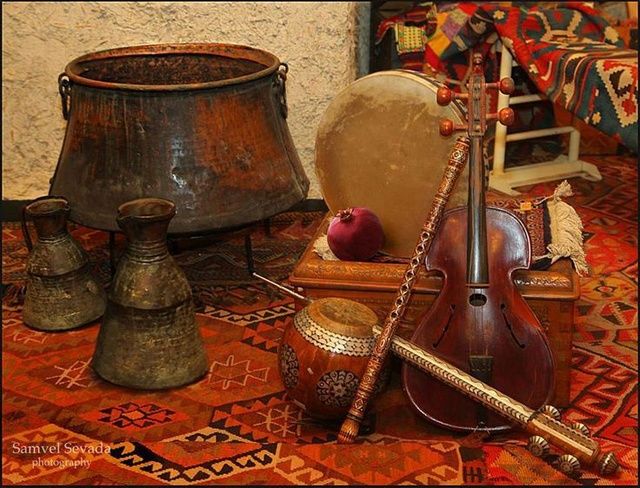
(63, 425)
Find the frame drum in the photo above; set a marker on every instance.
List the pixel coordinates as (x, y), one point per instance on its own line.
(378, 146)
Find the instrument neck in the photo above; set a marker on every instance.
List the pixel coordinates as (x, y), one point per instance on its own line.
(477, 261)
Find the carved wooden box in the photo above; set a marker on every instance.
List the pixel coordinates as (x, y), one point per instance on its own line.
(550, 293)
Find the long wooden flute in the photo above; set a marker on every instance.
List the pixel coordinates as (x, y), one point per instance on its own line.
(574, 440)
(371, 375)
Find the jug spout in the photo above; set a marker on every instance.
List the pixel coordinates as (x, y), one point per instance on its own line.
(146, 219)
(49, 216)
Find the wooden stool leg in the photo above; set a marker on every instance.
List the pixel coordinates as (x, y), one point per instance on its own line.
(248, 250)
(112, 253)
(267, 227)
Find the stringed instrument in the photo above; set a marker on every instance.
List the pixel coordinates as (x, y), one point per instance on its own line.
(479, 322)
(544, 424)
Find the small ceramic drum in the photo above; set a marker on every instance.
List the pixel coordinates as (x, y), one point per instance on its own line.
(323, 355)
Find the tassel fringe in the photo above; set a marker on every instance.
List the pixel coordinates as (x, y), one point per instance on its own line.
(566, 231)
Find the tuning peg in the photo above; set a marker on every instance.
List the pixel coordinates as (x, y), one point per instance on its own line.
(506, 86)
(583, 429)
(568, 464)
(505, 116)
(447, 127)
(538, 446)
(551, 411)
(444, 96)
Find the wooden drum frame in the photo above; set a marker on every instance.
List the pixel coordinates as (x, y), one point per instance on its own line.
(378, 146)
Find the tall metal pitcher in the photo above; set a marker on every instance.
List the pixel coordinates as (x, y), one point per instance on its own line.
(149, 338)
(61, 291)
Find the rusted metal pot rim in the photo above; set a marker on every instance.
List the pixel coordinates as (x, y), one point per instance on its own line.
(74, 70)
(147, 209)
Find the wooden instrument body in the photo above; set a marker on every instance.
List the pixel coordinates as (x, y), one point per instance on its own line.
(501, 325)
(323, 354)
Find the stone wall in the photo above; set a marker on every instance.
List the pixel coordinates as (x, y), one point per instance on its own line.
(324, 43)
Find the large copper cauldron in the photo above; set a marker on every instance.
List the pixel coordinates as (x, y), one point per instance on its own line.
(202, 125)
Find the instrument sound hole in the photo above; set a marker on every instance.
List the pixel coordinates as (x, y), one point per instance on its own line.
(503, 308)
(452, 309)
(477, 299)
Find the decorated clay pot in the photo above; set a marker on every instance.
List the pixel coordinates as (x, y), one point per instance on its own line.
(323, 354)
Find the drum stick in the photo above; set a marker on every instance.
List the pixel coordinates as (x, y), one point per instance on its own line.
(366, 387)
(280, 287)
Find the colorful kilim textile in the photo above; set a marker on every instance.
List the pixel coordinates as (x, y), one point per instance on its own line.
(411, 30)
(236, 426)
(577, 60)
(571, 54)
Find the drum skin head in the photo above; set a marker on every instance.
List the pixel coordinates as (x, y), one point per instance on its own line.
(343, 316)
(378, 146)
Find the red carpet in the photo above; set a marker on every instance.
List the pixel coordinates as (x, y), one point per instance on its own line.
(236, 426)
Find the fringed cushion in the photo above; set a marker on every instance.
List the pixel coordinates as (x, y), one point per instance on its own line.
(554, 227)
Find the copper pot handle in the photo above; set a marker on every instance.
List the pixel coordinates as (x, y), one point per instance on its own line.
(64, 88)
(281, 89)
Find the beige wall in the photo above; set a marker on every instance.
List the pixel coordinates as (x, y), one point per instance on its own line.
(324, 44)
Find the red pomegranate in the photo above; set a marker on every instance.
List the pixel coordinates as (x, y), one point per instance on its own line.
(355, 234)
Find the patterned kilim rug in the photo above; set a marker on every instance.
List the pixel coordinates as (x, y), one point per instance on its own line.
(236, 425)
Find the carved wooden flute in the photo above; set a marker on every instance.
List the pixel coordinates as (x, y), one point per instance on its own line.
(371, 375)
(543, 424)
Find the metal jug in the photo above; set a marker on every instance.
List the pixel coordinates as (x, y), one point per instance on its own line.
(61, 292)
(149, 338)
